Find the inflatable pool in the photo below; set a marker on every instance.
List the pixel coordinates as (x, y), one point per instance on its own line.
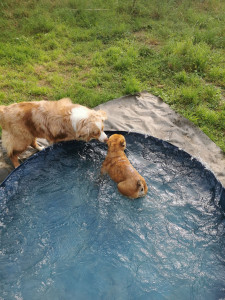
(67, 233)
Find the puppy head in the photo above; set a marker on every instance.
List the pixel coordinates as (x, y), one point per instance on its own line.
(116, 142)
(142, 188)
(92, 127)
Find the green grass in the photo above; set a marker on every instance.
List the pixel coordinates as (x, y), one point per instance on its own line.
(67, 48)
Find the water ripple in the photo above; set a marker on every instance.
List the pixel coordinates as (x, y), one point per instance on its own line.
(66, 232)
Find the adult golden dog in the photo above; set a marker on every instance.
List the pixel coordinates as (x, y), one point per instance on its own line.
(55, 121)
(117, 165)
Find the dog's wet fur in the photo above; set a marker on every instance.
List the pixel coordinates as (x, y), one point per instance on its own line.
(129, 182)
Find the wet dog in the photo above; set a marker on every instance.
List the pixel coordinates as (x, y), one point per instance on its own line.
(55, 121)
(117, 165)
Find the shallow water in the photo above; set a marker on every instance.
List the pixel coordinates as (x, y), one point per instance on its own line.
(66, 232)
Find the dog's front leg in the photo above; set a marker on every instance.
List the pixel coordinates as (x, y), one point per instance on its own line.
(14, 158)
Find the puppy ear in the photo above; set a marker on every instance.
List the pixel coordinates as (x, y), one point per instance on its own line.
(123, 143)
(139, 183)
(102, 114)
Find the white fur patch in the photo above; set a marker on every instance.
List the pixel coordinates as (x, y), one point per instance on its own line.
(99, 125)
(102, 137)
(77, 114)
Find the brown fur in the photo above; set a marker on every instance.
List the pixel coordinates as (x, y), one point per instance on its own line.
(117, 165)
(23, 122)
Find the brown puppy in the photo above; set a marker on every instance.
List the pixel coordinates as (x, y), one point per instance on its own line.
(55, 121)
(117, 165)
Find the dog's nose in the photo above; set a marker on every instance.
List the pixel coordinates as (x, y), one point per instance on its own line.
(103, 137)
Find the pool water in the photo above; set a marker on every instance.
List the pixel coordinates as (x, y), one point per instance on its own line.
(66, 232)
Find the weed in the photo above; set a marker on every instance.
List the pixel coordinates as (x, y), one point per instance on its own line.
(16, 54)
(39, 24)
(217, 75)
(146, 51)
(194, 95)
(132, 85)
(207, 115)
(189, 95)
(38, 91)
(98, 59)
(211, 95)
(2, 96)
(187, 56)
(182, 77)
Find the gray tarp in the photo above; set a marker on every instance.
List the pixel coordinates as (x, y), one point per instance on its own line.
(145, 113)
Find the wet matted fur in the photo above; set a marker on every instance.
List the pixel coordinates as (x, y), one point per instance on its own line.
(116, 164)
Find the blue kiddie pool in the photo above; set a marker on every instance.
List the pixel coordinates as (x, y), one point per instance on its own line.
(67, 233)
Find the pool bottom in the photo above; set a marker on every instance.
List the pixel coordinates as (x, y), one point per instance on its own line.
(69, 234)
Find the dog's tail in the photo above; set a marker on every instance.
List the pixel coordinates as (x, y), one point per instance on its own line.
(2, 107)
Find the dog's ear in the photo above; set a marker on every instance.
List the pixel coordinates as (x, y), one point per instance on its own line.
(65, 101)
(123, 143)
(102, 114)
(82, 132)
(139, 183)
